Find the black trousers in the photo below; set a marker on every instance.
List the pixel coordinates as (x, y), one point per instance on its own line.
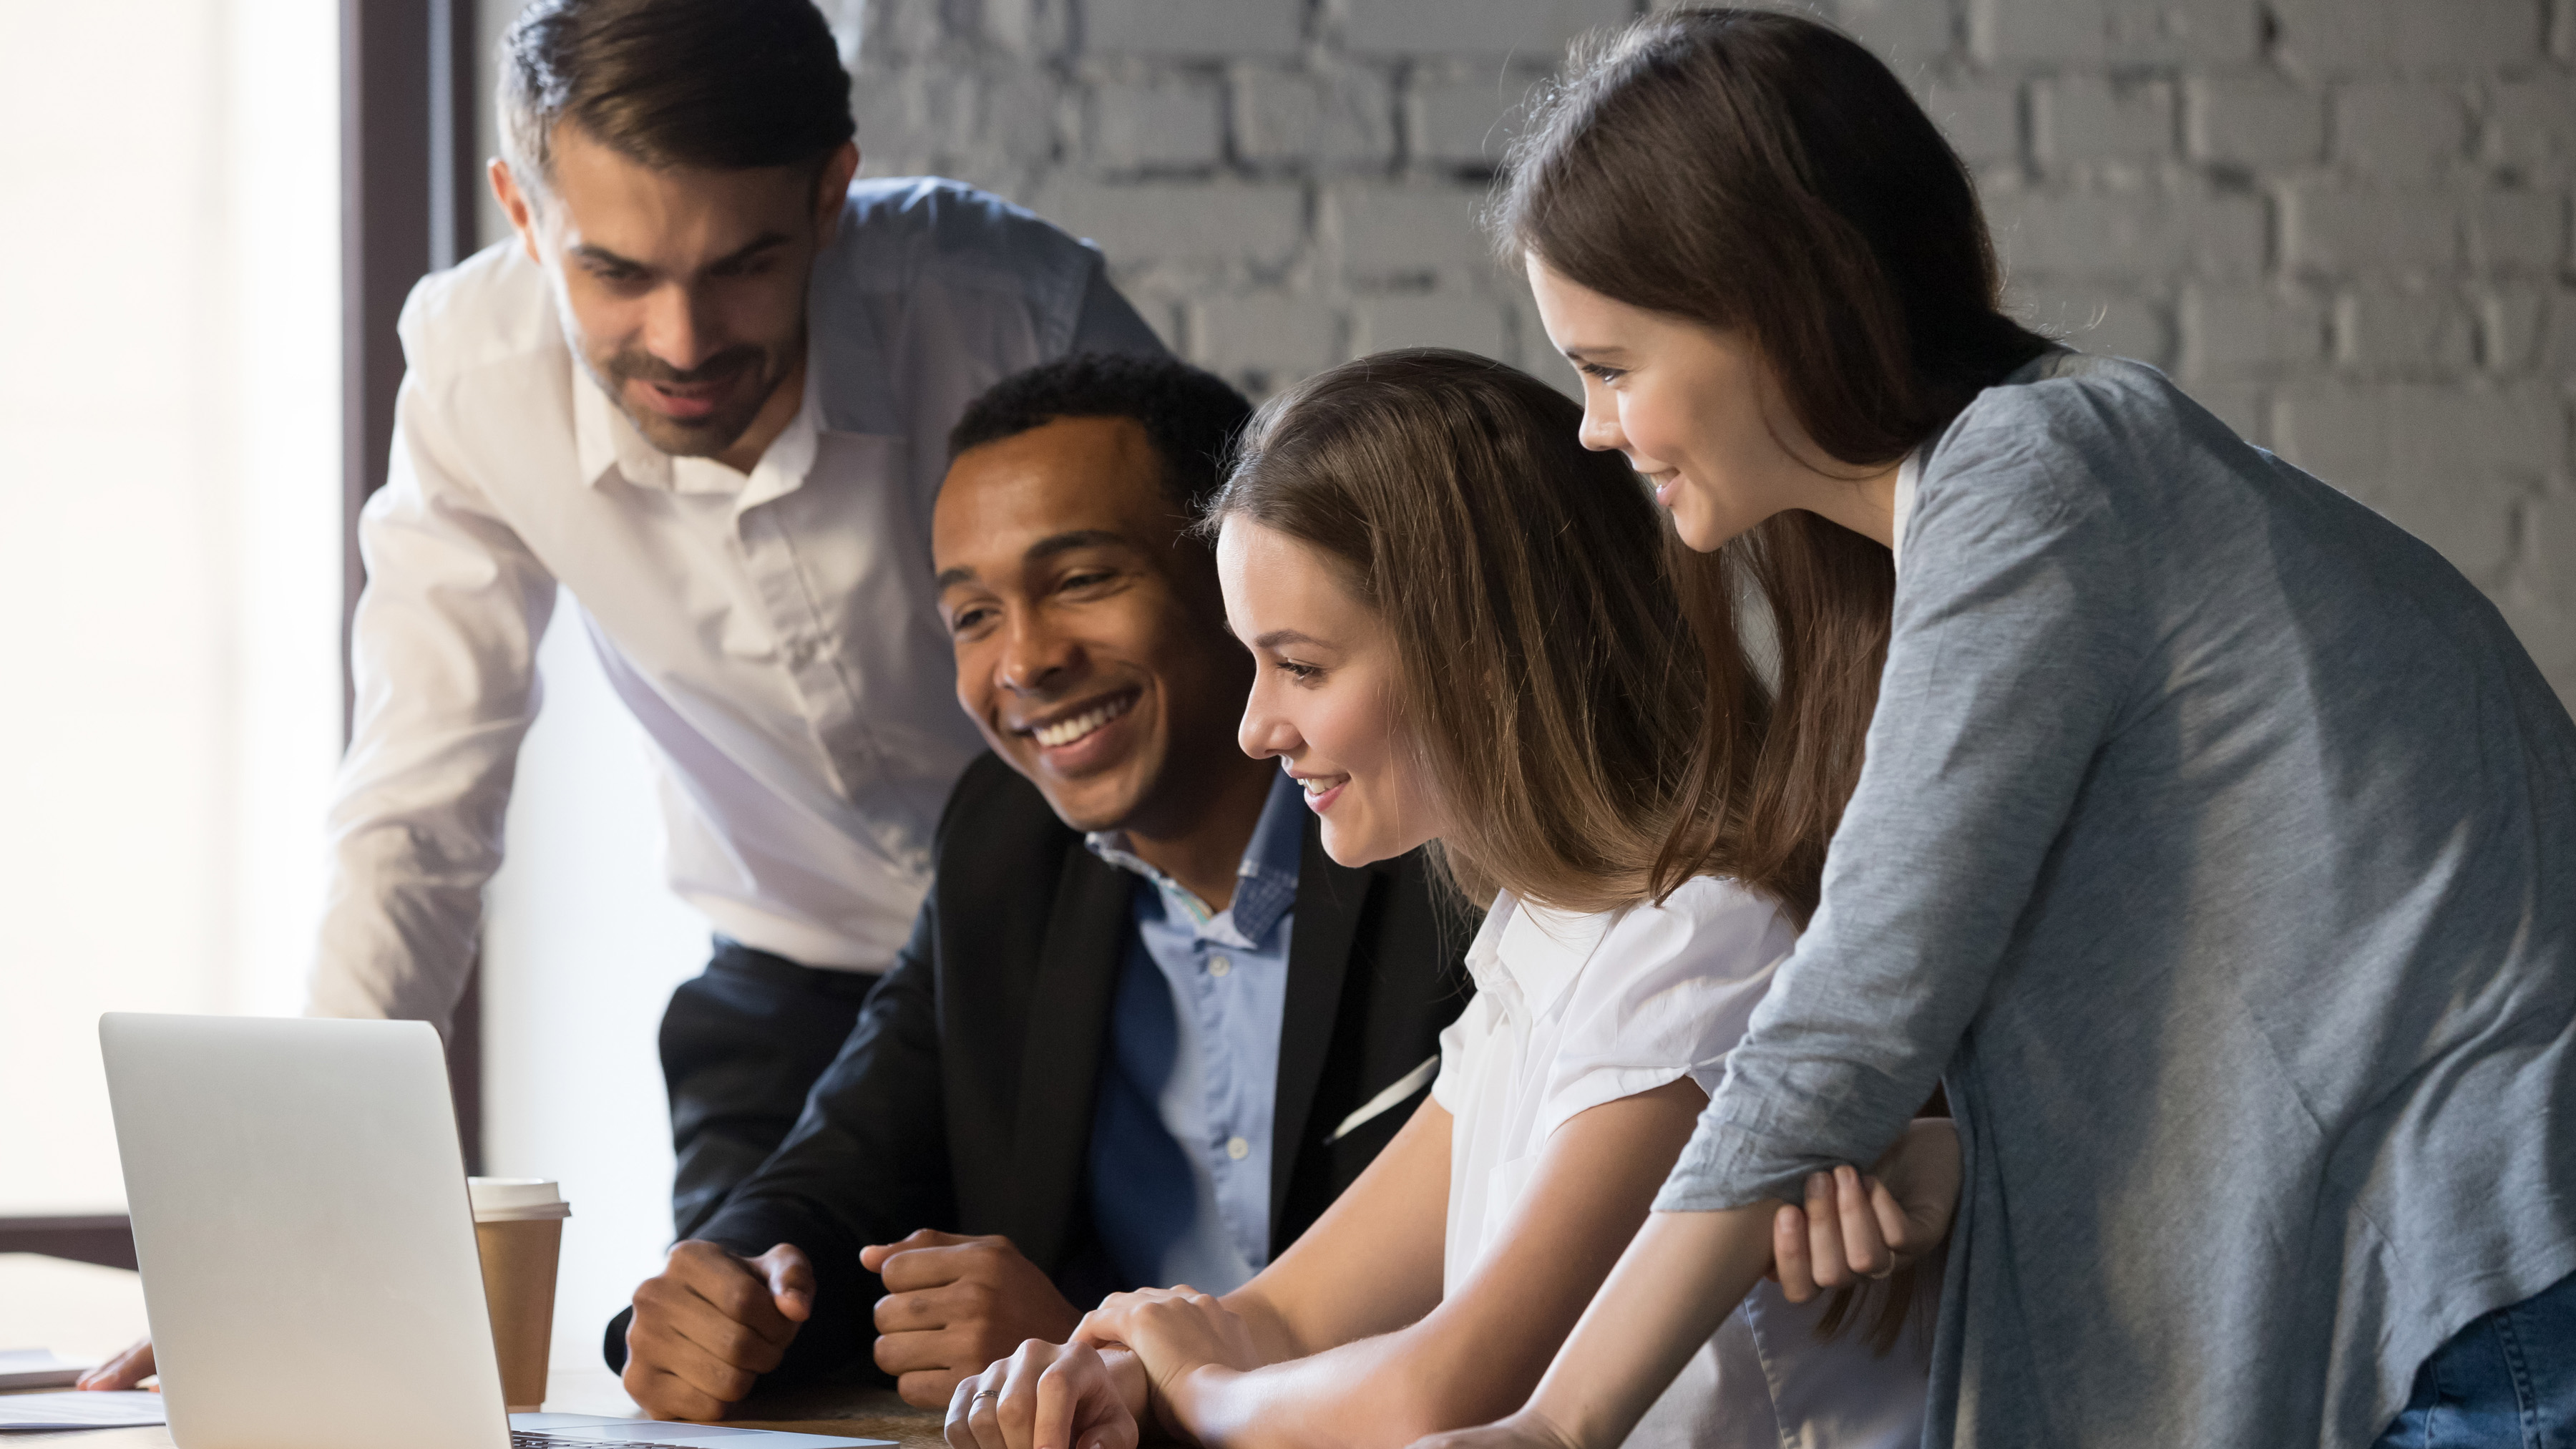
(741, 1046)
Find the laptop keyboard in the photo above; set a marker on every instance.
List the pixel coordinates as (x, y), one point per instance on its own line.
(523, 1439)
(527, 1440)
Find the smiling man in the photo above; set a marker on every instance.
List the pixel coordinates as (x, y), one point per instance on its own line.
(705, 389)
(1144, 1031)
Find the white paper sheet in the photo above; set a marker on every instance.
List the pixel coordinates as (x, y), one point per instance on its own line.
(36, 1368)
(79, 1411)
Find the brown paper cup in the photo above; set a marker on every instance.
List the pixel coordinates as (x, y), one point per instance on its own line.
(520, 1239)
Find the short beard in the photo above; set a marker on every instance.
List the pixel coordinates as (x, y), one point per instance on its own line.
(711, 435)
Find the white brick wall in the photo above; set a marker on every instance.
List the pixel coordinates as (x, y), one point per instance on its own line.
(2344, 224)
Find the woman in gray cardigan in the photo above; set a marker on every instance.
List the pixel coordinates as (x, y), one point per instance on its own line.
(2213, 842)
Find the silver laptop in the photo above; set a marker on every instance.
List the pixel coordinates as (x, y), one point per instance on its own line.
(307, 1249)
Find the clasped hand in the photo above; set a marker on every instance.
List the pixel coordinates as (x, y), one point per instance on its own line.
(1136, 1351)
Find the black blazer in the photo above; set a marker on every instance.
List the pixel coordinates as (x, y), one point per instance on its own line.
(963, 1098)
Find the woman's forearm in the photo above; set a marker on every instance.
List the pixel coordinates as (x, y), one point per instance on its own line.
(1680, 1277)
(1384, 1391)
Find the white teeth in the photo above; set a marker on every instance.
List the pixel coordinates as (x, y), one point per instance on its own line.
(1066, 731)
(1316, 787)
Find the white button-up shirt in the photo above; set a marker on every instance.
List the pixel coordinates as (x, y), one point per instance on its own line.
(1572, 1011)
(775, 634)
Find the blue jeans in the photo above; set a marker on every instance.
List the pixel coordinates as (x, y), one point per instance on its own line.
(2507, 1381)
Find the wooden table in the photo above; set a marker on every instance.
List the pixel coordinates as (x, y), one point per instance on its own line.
(83, 1311)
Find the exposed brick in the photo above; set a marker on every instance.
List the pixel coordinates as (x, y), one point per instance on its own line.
(2331, 227)
(2405, 332)
(1264, 341)
(2087, 118)
(1538, 29)
(1195, 27)
(1465, 121)
(2549, 555)
(2529, 329)
(2328, 36)
(1902, 32)
(1469, 322)
(2129, 233)
(2253, 121)
(2523, 230)
(1180, 221)
(2102, 319)
(2113, 31)
(2424, 434)
(2531, 125)
(2234, 332)
(1983, 121)
(1388, 230)
(1169, 124)
(1346, 119)
(2404, 132)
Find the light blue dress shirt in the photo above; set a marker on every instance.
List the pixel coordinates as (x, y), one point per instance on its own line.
(1181, 1136)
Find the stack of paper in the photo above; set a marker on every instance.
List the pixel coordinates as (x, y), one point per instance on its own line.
(79, 1411)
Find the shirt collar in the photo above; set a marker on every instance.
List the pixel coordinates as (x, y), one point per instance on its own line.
(1530, 954)
(604, 439)
(1265, 884)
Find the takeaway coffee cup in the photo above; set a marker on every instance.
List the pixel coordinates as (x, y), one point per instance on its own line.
(518, 1225)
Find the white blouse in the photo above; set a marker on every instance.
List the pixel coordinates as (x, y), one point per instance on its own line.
(1572, 1011)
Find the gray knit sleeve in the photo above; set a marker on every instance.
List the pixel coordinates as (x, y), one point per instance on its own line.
(2015, 645)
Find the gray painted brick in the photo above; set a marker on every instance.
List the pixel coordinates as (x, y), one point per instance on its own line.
(2131, 233)
(2529, 328)
(1465, 121)
(1343, 119)
(1179, 221)
(2253, 120)
(2433, 435)
(2113, 31)
(2531, 125)
(2549, 559)
(1536, 29)
(1983, 121)
(2328, 36)
(2405, 332)
(2249, 330)
(2405, 132)
(2328, 227)
(1904, 33)
(1195, 27)
(1173, 123)
(1264, 342)
(2088, 118)
(2103, 318)
(1472, 323)
(1390, 230)
(2519, 230)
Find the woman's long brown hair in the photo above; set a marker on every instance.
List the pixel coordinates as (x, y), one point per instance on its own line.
(1758, 171)
(1548, 686)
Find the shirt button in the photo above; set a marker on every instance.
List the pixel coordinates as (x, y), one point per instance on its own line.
(1237, 1148)
(1218, 965)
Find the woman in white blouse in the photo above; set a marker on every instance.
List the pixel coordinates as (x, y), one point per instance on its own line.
(1457, 647)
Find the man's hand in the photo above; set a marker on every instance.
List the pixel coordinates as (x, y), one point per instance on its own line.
(954, 1305)
(710, 1324)
(123, 1371)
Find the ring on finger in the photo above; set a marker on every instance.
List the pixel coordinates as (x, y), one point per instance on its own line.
(984, 1394)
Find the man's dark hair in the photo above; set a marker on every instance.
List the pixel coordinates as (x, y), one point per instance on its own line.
(1191, 416)
(723, 85)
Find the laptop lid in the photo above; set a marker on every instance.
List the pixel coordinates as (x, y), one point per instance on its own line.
(300, 1217)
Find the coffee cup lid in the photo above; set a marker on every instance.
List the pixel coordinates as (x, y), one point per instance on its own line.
(515, 1199)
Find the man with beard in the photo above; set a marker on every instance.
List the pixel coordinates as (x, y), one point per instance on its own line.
(706, 389)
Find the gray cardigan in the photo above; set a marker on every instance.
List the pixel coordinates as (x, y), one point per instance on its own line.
(2217, 849)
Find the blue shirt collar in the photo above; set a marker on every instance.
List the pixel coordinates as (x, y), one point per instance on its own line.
(1265, 884)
